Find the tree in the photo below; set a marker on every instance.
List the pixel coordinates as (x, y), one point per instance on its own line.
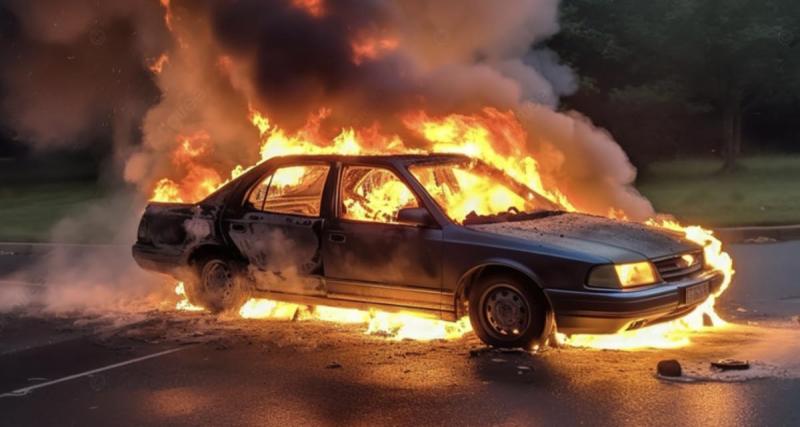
(722, 56)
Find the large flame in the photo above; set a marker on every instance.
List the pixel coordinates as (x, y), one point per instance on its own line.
(491, 135)
(403, 325)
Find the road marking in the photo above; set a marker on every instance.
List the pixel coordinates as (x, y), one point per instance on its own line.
(20, 283)
(26, 390)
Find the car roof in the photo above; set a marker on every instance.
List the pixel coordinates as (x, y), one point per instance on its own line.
(405, 159)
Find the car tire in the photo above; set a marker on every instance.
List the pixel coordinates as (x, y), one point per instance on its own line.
(508, 312)
(218, 285)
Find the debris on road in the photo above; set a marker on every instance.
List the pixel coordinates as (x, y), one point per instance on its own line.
(731, 364)
(475, 352)
(760, 239)
(669, 368)
(333, 365)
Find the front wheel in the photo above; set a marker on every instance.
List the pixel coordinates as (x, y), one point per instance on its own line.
(219, 285)
(508, 312)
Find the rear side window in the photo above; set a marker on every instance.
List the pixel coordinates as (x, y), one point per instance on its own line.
(294, 190)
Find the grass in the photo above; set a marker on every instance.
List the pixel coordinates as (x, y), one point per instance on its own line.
(28, 211)
(765, 191)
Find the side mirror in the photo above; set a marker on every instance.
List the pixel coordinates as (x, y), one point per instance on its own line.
(414, 216)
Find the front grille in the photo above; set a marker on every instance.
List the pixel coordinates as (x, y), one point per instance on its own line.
(678, 267)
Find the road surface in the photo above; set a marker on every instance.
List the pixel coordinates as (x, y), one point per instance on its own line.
(65, 365)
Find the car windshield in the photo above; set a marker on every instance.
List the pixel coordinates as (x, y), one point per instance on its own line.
(472, 192)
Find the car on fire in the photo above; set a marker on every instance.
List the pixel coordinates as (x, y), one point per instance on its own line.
(443, 234)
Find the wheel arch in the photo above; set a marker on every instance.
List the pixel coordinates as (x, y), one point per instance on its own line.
(474, 274)
(207, 250)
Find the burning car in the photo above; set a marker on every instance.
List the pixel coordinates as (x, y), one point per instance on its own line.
(438, 233)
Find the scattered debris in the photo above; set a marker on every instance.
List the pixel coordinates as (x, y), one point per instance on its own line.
(707, 320)
(333, 365)
(498, 360)
(731, 365)
(760, 239)
(475, 352)
(511, 350)
(669, 368)
(741, 309)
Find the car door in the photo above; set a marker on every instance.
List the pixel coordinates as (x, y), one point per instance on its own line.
(280, 229)
(371, 257)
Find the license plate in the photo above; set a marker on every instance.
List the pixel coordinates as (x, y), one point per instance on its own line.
(696, 293)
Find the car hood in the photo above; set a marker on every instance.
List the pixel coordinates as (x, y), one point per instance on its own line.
(613, 239)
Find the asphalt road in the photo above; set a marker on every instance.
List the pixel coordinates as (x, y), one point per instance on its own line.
(60, 365)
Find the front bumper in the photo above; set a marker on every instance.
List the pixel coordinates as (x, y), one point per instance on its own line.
(607, 312)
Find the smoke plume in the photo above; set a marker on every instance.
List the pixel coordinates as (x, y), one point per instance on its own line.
(366, 62)
(150, 73)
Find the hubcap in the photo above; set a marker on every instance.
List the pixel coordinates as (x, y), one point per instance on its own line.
(506, 311)
(217, 279)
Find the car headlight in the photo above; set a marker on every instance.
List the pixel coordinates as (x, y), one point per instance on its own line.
(623, 275)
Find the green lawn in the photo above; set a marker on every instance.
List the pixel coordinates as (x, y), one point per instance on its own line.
(766, 191)
(28, 211)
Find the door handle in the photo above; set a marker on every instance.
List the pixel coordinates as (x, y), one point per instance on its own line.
(238, 227)
(337, 237)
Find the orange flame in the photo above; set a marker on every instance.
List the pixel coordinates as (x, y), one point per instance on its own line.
(494, 136)
(314, 8)
(369, 48)
(167, 13)
(157, 66)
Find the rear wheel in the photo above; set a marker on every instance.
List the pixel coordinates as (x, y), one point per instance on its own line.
(508, 312)
(219, 285)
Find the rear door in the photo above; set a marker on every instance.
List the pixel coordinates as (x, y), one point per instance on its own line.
(280, 229)
(369, 256)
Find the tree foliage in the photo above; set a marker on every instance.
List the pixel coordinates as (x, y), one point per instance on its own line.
(671, 71)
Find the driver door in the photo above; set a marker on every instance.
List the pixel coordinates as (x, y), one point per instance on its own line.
(370, 256)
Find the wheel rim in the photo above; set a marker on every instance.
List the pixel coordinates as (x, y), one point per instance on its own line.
(218, 279)
(506, 312)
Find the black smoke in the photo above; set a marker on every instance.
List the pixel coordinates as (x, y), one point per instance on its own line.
(301, 62)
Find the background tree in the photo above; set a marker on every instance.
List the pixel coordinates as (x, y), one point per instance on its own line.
(666, 67)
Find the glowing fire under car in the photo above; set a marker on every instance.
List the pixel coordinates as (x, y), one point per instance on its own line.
(441, 234)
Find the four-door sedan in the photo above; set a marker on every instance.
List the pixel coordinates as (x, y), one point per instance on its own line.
(439, 233)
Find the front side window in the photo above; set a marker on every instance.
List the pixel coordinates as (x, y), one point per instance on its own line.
(294, 190)
(374, 194)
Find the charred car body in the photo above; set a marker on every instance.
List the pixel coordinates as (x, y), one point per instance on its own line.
(442, 234)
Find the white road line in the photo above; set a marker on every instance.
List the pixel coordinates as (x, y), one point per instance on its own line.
(20, 283)
(26, 390)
